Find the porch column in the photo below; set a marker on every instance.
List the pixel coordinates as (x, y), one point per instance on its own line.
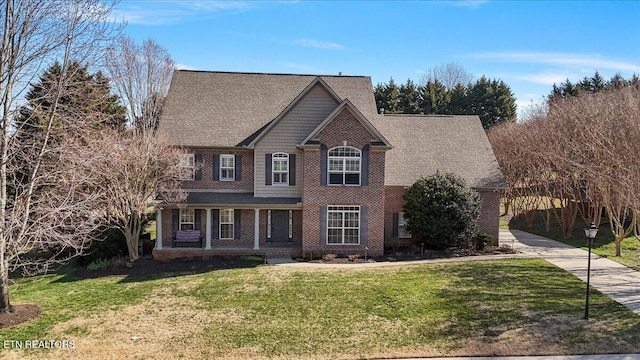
(159, 229)
(207, 221)
(256, 230)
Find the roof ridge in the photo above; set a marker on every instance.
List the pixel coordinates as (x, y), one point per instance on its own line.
(267, 73)
(425, 115)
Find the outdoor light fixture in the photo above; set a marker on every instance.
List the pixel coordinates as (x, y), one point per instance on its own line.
(590, 233)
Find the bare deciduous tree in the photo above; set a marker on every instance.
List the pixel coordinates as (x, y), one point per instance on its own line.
(48, 213)
(583, 154)
(142, 75)
(449, 75)
(140, 170)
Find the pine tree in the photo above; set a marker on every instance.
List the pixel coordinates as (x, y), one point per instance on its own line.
(85, 95)
(435, 98)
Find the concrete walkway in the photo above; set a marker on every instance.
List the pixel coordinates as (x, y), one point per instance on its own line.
(613, 279)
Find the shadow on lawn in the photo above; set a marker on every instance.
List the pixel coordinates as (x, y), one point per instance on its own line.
(147, 269)
(577, 237)
(539, 301)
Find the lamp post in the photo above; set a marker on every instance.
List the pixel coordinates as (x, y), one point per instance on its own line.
(590, 232)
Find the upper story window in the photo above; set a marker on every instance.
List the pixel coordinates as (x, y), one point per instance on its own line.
(227, 167)
(344, 166)
(187, 167)
(187, 219)
(280, 168)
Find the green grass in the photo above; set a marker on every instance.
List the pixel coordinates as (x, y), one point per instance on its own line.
(472, 308)
(603, 244)
(151, 229)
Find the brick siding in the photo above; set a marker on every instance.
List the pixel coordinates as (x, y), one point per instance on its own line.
(345, 127)
(489, 220)
(206, 182)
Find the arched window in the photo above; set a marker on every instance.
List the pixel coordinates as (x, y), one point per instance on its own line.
(344, 166)
(280, 169)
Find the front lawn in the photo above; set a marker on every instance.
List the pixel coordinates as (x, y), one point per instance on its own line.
(512, 307)
(603, 244)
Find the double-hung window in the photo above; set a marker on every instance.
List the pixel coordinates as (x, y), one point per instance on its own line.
(187, 219)
(227, 167)
(280, 169)
(344, 166)
(402, 227)
(343, 225)
(226, 224)
(187, 167)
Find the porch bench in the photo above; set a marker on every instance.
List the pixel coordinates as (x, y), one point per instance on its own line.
(187, 237)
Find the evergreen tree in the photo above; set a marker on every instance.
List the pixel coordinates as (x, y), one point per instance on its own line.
(492, 101)
(435, 98)
(459, 101)
(85, 95)
(593, 84)
(409, 102)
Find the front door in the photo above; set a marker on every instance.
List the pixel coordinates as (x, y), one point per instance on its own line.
(279, 225)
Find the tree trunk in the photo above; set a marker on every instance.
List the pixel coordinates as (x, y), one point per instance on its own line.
(5, 305)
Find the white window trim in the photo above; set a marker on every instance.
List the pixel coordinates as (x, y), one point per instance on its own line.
(187, 162)
(344, 209)
(232, 168)
(232, 223)
(403, 234)
(344, 166)
(280, 156)
(190, 213)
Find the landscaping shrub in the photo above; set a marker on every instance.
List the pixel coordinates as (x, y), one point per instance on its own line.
(441, 210)
(482, 240)
(113, 245)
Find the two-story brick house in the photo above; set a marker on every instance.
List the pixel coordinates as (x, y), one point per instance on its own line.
(303, 164)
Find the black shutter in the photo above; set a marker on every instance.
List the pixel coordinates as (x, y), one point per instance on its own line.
(199, 165)
(236, 224)
(197, 220)
(175, 221)
(267, 166)
(364, 168)
(323, 225)
(216, 224)
(323, 164)
(394, 226)
(292, 169)
(216, 167)
(364, 225)
(238, 170)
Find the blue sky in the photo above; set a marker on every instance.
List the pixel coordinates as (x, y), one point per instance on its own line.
(528, 44)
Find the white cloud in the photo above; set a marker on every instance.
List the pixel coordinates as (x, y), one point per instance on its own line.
(545, 78)
(184, 67)
(171, 12)
(588, 61)
(318, 44)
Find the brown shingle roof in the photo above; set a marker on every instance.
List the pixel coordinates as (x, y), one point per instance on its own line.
(226, 108)
(448, 143)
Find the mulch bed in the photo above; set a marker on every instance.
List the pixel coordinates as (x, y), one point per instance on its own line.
(146, 267)
(20, 314)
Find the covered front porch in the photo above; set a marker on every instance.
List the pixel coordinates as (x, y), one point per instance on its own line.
(229, 224)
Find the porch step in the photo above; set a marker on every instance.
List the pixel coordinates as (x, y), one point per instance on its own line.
(278, 261)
